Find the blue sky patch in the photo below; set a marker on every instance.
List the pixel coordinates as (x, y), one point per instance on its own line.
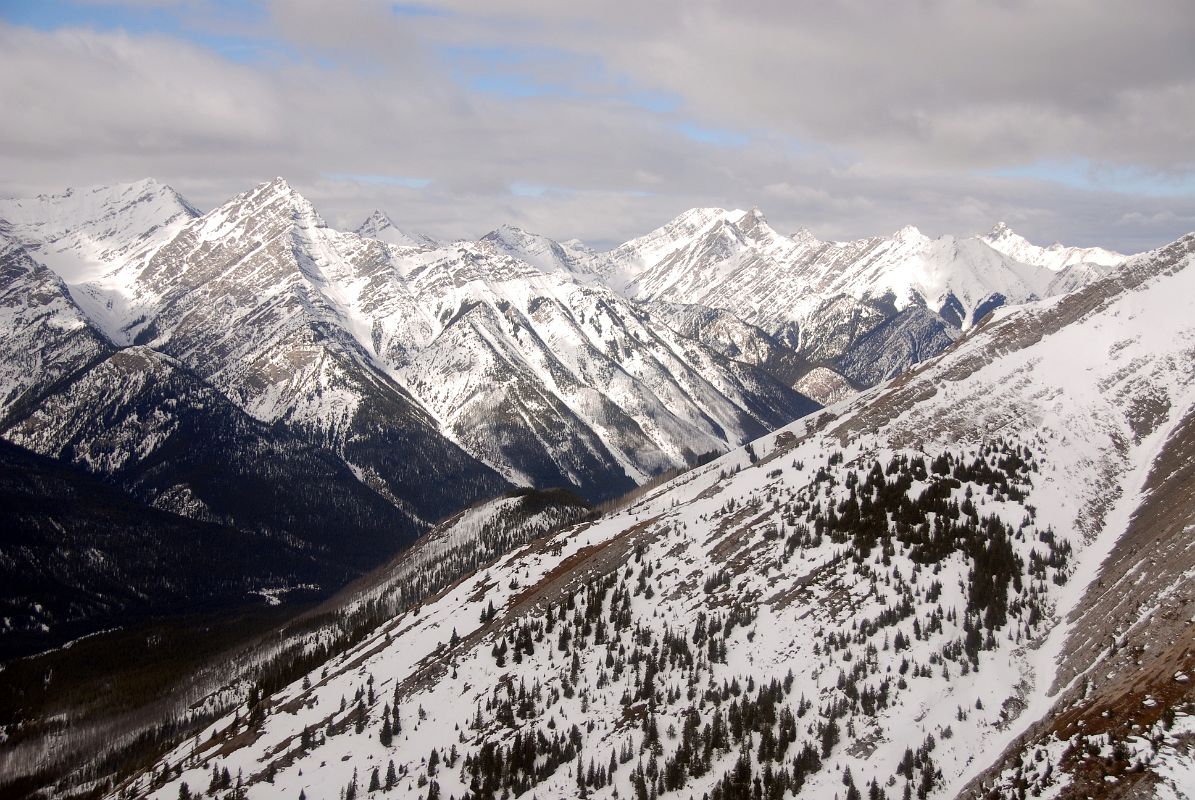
(1084, 174)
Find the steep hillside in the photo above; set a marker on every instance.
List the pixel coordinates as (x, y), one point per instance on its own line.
(556, 380)
(80, 556)
(46, 336)
(143, 422)
(872, 601)
(256, 297)
(79, 714)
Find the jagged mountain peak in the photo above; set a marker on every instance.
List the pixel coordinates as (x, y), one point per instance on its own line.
(684, 226)
(278, 193)
(804, 236)
(544, 253)
(696, 219)
(376, 221)
(1057, 257)
(910, 234)
(378, 225)
(754, 223)
(261, 213)
(508, 232)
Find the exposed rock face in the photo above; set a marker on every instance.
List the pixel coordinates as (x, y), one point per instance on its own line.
(46, 336)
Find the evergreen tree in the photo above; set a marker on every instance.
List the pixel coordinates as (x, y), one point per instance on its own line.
(387, 735)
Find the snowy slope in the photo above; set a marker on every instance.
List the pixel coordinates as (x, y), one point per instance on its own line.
(96, 239)
(883, 587)
(82, 234)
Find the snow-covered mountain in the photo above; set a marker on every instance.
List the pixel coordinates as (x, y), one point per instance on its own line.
(878, 598)
(1056, 257)
(547, 363)
(547, 375)
(988, 555)
(736, 261)
(822, 298)
(256, 297)
(95, 239)
(597, 384)
(82, 234)
(545, 254)
(509, 347)
(379, 226)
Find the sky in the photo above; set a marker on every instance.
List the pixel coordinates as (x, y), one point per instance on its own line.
(1071, 120)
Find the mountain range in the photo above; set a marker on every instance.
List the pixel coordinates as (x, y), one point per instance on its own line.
(897, 517)
(216, 366)
(972, 581)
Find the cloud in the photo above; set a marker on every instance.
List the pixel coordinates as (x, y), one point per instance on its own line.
(602, 121)
(961, 83)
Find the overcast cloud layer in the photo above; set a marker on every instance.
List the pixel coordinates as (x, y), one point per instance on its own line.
(1070, 120)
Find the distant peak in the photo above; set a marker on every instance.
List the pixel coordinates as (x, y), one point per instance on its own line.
(909, 233)
(378, 225)
(704, 214)
(279, 192)
(505, 232)
(751, 218)
(803, 235)
(375, 222)
(1001, 231)
(145, 184)
(273, 187)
